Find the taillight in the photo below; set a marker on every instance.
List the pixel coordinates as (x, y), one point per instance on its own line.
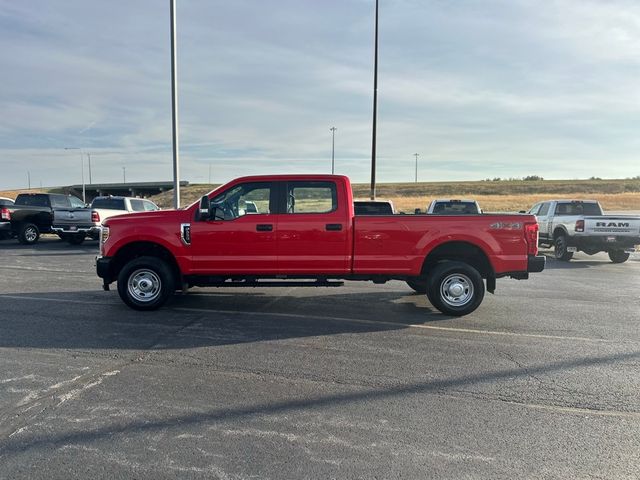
(95, 217)
(531, 236)
(5, 214)
(579, 225)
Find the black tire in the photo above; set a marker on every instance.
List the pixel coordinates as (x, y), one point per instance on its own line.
(28, 234)
(145, 283)
(449, 279)
(560, 249)
(418, 284)
(75, 239)
(618, 256)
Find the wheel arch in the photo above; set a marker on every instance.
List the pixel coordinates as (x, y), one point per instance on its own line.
(137, 249)
(560, 230)
(462, 252)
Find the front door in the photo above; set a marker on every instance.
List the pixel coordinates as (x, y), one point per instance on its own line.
(245, 241)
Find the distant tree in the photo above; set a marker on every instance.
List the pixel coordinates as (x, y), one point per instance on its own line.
(497, 179)
(595, 178)
(532, 178)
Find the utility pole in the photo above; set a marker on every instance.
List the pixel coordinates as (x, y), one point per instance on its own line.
(89, 158)
(375, 110)
(29, 179)
(174, 108)
(124, 174)
(333, 149)
(209, 173)
(416, 155)
(84, 194)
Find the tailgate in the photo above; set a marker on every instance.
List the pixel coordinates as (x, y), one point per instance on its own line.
(618, 225)
(72, 217)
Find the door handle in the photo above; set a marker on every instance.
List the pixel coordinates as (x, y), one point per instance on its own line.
(333, 227)
(264, 227)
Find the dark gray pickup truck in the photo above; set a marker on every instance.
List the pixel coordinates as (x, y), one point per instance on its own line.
(35, 213)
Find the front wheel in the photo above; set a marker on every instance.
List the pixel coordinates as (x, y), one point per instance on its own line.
(618, 256)
(145, 283)
(28, 234)
(455, 288)
(560, 249)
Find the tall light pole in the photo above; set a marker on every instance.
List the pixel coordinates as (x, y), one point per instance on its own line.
(416, 155)
(124, 174)
(333, 149)
(29, 179)
(84, 194)
(89, 159)
(375, 110)
(174, 108)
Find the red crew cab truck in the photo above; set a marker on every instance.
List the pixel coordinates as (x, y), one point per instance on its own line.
(302, 228)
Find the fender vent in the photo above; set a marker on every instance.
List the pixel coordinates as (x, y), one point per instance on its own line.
(185, 233)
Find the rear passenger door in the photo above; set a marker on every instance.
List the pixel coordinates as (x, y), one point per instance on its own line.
(313, 230)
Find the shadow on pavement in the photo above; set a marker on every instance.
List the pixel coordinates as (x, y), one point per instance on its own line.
(59, 320)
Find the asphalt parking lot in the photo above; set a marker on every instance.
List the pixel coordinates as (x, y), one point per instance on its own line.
(363, 381)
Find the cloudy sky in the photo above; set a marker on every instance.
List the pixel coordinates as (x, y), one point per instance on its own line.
(478, 88)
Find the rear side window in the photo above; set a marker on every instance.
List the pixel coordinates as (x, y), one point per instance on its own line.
(455, 208)
(108, 203)
(544, 210)
(60, 201)
(149, 206)
(311, 197)
(137, 205)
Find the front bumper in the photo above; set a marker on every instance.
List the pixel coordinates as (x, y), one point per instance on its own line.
(536, 263)
(103, 269)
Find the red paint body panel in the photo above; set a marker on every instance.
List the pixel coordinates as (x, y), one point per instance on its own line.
(301, 244)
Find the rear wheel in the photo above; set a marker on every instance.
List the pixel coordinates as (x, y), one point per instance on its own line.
(618, 256)
(418, 284)
(560, 249)
(28, 234)
(145, 283)
(455, 288)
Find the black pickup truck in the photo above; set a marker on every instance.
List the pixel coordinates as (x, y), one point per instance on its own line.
(33, 214)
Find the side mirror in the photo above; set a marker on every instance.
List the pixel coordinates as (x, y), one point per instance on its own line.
(203, 209)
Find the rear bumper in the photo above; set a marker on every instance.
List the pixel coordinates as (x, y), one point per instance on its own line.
(86, 229)
(536, 263)
(602, 243)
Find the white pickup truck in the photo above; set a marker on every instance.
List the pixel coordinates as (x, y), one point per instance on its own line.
(105, 207)
(580, 225)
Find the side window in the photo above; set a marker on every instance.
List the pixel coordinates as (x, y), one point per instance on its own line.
(311, 197)
(137, 205)
(245, 199)
(534, 210)
(149, 206)
(544, 210)
(60, 201)
(76, 202)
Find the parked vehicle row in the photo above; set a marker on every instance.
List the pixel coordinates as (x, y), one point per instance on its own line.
(33, 214)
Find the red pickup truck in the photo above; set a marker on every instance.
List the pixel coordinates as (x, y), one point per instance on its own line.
(303, 227)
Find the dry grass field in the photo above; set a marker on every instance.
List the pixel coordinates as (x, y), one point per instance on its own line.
(498, 196)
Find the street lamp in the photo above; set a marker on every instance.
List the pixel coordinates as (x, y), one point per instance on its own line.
(333, 148)
(84, 194)
(174, 108)
(375, 109)
(416, 155)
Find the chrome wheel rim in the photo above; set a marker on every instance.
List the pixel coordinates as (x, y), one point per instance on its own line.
(456, 290)
(30, 234)
(144, 285)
